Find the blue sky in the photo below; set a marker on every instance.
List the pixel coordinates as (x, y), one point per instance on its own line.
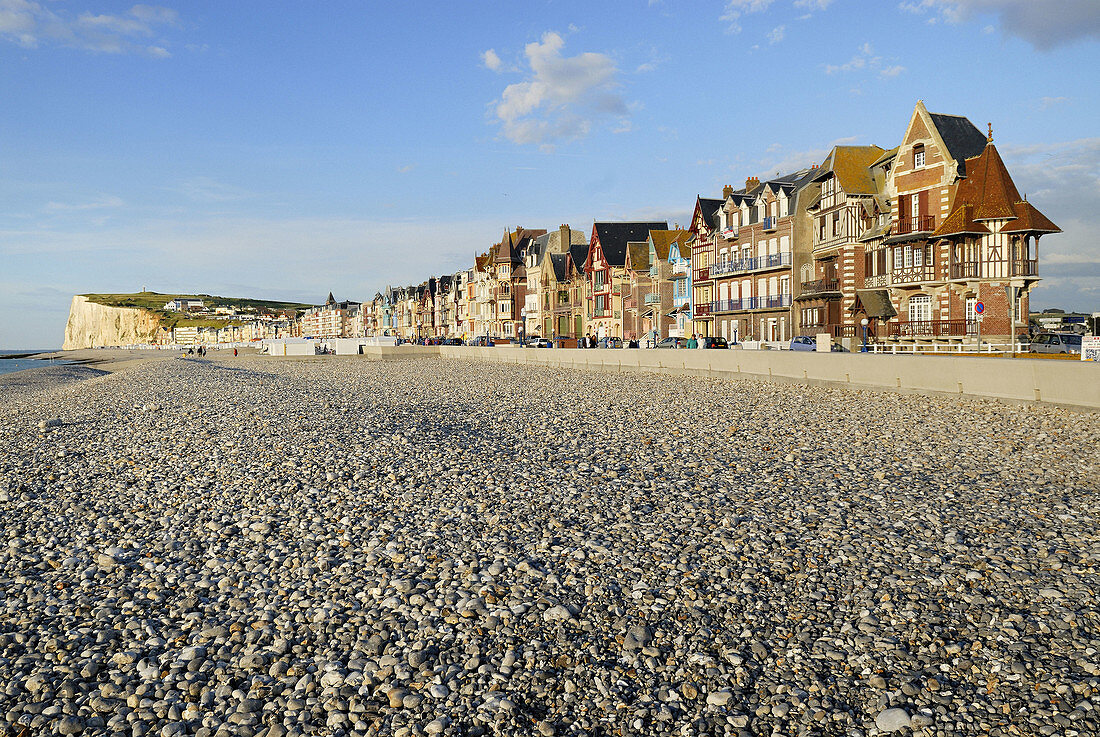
(286, 149)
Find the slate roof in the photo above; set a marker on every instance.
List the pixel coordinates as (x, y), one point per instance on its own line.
(613, 237)
(514, 244)
(559, 262)
(962, 139)
(988, 193)
(578, 252)
(708, 208)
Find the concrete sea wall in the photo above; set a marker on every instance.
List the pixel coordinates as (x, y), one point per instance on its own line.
(93, 325)
(1067, 383)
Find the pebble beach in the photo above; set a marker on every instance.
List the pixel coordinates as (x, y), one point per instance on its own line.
(263, 547)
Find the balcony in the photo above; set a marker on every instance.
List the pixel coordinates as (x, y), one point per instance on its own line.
(931, 328)
(913, 274)
(598, 313)
(1027, 267)
(702, 309)
(770, 223)
(702, 274)
(966, 270)
(732, 266)
(679, 271)
(876, 281)
(751, 303)
(819, 286)
(630, 303)
(919, 224)
(652, 298)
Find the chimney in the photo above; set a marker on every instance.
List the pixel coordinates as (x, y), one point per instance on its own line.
(563, 236)
(752, 182)
(727, 191)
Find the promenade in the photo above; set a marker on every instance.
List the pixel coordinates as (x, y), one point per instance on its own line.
(348, 546)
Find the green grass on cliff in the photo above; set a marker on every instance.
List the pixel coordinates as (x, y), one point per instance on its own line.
(154, 302)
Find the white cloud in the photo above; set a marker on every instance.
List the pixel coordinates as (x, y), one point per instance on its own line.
(813, 4)
(30, 24)
(734, 9)
(776, 34)
(102, 202)
(866, 58)
(562, 97)
(491, 61)
(1044, 25)
(1046, 103)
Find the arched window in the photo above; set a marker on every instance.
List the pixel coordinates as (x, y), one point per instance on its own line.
(920, 308)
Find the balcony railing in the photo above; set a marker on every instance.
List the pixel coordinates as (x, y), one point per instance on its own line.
(931, 328)
(702, 274)
(652, 298)
(740, 265)
(701, 309)
(751, 303)
(919, 224)
(966, 270)
(912, 274)
(1027, 267)
(770, 223)
(679, 271)
(820, 285)
(601, 313)
(876, 281)
(630, 303)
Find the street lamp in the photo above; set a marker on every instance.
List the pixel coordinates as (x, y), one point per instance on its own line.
(522, 326)
(863, 323)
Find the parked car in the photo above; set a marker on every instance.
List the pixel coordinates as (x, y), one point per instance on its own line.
(716, 341)
(808, 343)
(452, 341)
(611, 342)
(540, 343)
(482, 340)
(1056, 343)
(803, 343)
(672, 343)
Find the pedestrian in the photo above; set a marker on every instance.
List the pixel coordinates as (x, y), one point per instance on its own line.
(692, 342)
(234, 353)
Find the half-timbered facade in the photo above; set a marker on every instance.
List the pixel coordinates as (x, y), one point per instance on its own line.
(606, 272)
(704, 227)
(840, 206)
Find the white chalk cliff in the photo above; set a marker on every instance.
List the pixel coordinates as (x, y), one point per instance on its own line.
(93, 325)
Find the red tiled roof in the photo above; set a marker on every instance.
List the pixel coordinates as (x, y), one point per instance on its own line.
(988, 193)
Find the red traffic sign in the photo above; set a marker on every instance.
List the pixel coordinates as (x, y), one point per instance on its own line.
(979, 308)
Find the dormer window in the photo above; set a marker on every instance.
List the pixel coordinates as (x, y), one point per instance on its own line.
(918, 156)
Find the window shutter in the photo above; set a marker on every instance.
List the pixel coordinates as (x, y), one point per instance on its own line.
(904, 206)
(922, 205)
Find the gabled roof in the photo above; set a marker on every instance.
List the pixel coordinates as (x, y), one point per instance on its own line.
(578, 255)
(708, 208)
(852, 167)
(560, 263)
(664, 239)
(962, 139)
(637, 255)
(481, 262)
(613, 237)
(513, 245)
(988, 193)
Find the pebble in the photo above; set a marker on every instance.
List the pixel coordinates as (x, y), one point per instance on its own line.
(353, 547)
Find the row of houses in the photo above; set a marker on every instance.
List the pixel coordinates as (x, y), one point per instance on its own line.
(917, 243)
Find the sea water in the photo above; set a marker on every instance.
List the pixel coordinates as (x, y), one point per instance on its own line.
(9, 365)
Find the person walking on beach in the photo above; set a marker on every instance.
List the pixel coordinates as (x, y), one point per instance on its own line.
(234, 353)
(692, 342)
